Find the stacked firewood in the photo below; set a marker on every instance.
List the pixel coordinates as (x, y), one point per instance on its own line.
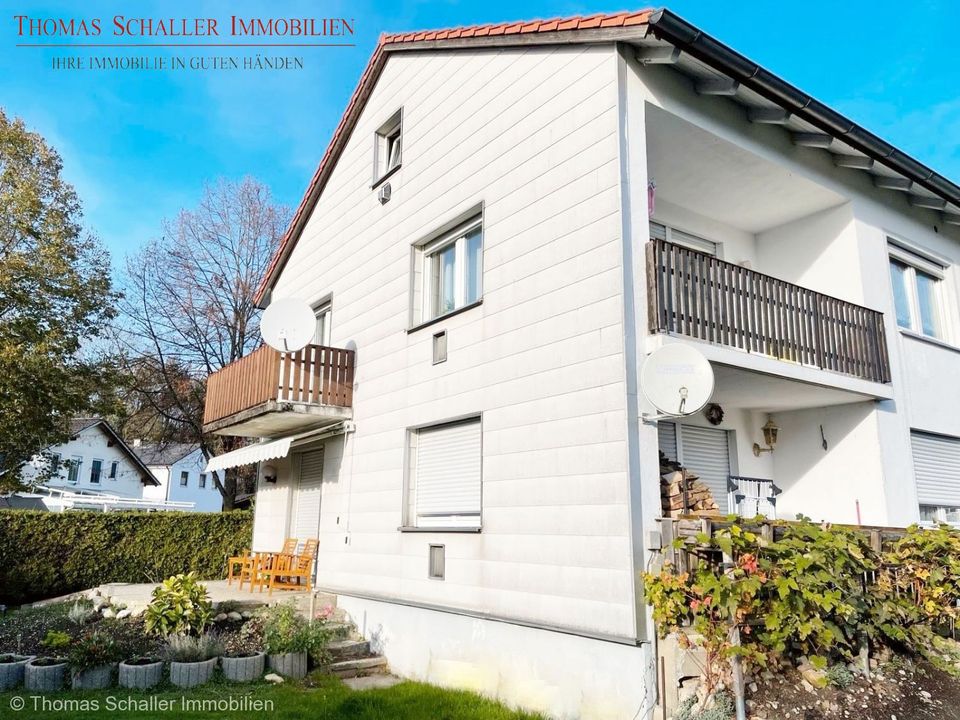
(682, 493)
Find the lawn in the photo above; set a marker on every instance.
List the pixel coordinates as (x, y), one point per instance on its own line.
(318, 698)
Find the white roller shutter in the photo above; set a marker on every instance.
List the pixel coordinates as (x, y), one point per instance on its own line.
(936, 464)
(448, 475)
(706, 452)
(667, 438)
(306, 523)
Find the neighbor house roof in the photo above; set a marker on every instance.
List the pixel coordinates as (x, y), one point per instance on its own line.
(78, 425)
(715, 69)
(164, 453)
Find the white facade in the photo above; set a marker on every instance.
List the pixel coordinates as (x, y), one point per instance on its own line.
(185, 480)
(554, 148)
(94, 460)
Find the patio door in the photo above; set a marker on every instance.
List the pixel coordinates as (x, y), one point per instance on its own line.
(306, 518)
(703, 451)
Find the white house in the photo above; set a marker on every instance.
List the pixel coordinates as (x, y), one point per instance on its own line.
(507, 221)
(180, 470)
(95, 460)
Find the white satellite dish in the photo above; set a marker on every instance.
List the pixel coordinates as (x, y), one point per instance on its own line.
(288, 324)
(677, 380)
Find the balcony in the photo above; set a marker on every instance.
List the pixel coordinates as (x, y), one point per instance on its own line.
(270, 393)
(696, 295)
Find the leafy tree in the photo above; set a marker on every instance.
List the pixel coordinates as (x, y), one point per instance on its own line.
(188, 310)
(55, 302)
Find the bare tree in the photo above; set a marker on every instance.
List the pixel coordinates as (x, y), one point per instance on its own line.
(188, 310)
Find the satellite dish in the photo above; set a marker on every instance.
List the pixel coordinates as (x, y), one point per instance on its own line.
(677, 379)
(288, 324)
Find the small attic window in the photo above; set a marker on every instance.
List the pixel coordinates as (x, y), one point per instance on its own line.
(387, 147)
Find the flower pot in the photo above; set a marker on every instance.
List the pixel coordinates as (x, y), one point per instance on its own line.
(187, 675)
(11, 673)
(96, 678)
(140, 673)
(47, 676)
(243, 669)
(291, 665)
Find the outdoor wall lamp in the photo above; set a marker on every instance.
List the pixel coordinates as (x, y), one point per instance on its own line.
(269, 473)
(770, 431)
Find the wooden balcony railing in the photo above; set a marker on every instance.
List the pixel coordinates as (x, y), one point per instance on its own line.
(316, 375)
(694, 294)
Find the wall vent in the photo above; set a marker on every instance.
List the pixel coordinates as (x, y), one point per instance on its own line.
(438, 562)
(440, 347)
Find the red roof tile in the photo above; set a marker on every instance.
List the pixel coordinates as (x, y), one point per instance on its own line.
(369, 78)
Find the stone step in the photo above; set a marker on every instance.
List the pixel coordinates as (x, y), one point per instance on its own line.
(340, 630)
(361, 666)
(348, 649)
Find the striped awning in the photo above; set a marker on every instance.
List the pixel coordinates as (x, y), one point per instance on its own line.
(251, 454)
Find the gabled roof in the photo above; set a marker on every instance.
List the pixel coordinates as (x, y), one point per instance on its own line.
(164, 453)
(704, 58)
(78, 425)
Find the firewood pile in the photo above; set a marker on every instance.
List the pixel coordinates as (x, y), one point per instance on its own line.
(674, 480)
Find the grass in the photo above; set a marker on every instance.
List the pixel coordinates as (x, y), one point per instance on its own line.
(319, 698)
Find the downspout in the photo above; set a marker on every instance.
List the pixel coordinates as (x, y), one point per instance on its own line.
(667, 26)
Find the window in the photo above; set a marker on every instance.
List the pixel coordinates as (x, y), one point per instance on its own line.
(659, 231)
(73, 474)
(53, 461)
(444, 476)
(184, 478)
(387, 146)
(452, 270)
(936, 467)
(203, 480)
(917, 292)
(321, 335)
(96, 468)
(113, 469)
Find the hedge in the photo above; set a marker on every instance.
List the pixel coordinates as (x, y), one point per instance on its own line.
(45, 554)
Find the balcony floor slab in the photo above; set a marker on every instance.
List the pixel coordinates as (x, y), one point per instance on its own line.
(276, 419)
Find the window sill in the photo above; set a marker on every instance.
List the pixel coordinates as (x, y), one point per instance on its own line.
(386, 176)
(927, 339)
(445, 316)
(414, 529)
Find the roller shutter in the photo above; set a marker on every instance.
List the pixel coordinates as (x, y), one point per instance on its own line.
(667, 438)
(706, 452)
(936, 465)
(448, 475)
(306, 523)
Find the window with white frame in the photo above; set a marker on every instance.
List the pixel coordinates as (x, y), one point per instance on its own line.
(452, 270)
(203, 480)
(444, 476)
(936, 468)
(917, 292)
(73, 474)
(96, 470)
(114, 466)
(324, 314)
(387, 146)
(184, 478)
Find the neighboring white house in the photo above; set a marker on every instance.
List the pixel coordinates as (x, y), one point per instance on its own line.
(95, 460)
(507, 221)
(180, 469)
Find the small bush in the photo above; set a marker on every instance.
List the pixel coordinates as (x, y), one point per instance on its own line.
(286, 631)
(93, 649)
(56, 641)
(839, 676)
(180, 605)
(81, 612)
(189, 648)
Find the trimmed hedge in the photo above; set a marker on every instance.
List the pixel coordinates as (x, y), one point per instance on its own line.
(45, 554)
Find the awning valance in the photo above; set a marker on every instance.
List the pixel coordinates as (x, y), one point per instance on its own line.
(251, 454)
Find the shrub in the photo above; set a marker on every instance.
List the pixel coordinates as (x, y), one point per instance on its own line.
(56, 641)
(81, 612)
(180, 605)
(74, 551)
(286, 631)
(93, 649)
(839, 675)
(190, 648)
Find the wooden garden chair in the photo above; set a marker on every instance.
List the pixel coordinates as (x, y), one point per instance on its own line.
(242, 566)
(291, 569)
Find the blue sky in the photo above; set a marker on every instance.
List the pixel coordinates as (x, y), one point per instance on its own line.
(139, 146)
